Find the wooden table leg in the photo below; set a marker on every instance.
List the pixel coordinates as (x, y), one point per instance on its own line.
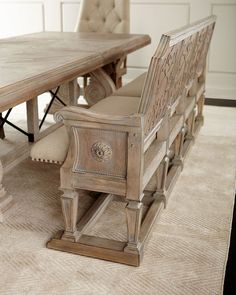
(5, 199)
(33, 119)
(73, 92)
(69, 93)
(2, 133)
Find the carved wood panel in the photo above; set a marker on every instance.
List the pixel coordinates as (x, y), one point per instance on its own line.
(101, 152)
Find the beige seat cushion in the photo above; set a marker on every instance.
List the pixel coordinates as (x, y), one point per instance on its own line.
(117, 105)
(134, 88)
(52, 148)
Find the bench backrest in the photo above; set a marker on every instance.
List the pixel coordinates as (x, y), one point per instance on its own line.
(179, 59)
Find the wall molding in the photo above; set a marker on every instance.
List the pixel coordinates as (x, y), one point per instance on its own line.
(31, 2)
(212, 13)
(56, 15)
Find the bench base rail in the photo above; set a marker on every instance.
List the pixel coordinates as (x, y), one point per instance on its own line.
(108, 249)
(97, 248)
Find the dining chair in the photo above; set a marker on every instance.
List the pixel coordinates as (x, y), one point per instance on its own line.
(100, 16)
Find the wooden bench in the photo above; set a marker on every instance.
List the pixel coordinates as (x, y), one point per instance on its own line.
(133, 146)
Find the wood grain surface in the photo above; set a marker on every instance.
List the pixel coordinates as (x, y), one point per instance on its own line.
(32, 64)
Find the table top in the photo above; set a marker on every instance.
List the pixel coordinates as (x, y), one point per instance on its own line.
(32, 64)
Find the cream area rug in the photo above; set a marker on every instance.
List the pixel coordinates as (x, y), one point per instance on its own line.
(186, 253)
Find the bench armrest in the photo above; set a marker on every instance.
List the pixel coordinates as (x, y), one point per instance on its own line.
(80, 114)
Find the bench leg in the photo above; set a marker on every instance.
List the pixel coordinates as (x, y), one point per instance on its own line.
(200, 106)
(191, 125)
(161, 177)
(134, 215)
(69, 201)
(178, 146)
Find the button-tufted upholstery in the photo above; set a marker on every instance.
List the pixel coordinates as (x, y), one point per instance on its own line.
(108, 16)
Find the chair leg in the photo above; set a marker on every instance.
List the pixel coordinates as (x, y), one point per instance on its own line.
(134, 216)
(69, 201)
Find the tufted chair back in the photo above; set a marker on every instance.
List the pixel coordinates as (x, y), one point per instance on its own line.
(108, 16)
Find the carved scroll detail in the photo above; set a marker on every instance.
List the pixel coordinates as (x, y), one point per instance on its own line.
(101, 152)
(100, 86)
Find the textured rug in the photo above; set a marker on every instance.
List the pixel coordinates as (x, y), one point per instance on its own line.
(186, 252)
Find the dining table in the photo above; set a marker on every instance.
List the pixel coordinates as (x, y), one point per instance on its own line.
(36, 63)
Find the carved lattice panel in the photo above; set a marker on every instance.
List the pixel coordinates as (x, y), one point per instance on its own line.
(180, 58)
(159, 86)
(204, 51)
(182, 75)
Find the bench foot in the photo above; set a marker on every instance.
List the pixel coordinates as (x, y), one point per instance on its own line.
(95, 247)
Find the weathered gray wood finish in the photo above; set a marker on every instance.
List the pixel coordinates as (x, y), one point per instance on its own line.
(33, 64)
(141, 154)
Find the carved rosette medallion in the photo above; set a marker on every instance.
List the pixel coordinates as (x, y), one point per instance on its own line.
(101, 152)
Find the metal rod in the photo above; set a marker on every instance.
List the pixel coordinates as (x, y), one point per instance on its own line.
(4, 120)
(17, 128)
(48, 108)
(61, 101)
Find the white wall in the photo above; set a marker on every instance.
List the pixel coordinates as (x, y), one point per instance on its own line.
(152, 17)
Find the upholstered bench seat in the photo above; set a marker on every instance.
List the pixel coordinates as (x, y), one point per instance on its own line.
(125, 101)
(53, 148)
(133, 88)
(117, 105)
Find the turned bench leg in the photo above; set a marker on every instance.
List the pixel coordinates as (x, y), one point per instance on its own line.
(200, 106)
(178, 148)
(134, 216)
(161, 177)
(69, 201)
(191, 125)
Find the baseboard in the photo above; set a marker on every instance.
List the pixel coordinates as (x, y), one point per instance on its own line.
(220, 102)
